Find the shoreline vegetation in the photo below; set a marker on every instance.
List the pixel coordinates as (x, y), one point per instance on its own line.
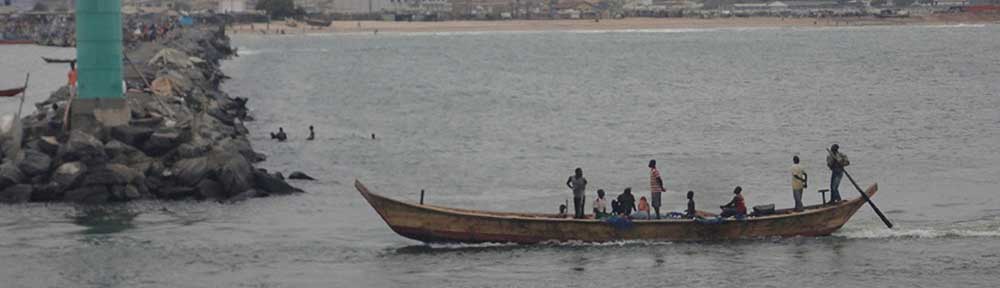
(638, 23)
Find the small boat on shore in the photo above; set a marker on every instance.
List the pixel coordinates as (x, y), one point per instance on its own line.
(16, 41)
(11, 92)
(54, 60)
(430, 223)
(318, 22)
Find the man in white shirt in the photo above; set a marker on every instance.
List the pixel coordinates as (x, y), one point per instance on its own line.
(600, 205)
(799, 177)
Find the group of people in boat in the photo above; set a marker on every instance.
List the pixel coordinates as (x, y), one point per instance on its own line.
(625, 204)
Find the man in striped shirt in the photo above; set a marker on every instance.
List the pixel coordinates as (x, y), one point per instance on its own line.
(655, 187)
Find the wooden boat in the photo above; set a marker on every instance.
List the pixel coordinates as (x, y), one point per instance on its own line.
(318, 22)
(429, 223)
(11, 92)
(54, 60)
(16, 42)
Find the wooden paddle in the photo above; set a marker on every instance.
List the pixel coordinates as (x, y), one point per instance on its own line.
(863, 195)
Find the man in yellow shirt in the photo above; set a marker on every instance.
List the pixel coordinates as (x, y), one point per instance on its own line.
(799, 177)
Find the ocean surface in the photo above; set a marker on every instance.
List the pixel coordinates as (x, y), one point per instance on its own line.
(499, 120)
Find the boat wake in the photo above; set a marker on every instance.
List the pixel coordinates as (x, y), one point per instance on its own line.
(881, 233)
(458, 246)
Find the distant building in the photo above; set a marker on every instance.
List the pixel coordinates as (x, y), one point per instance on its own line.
(233, 6)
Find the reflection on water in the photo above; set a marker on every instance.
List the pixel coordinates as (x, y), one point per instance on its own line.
(105, 219)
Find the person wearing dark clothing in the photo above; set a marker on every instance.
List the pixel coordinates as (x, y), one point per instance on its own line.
(281, 136)
(690, 213)
(836, 161)
(626, 202)
(312, 134)
(579, 186)
(737, 207)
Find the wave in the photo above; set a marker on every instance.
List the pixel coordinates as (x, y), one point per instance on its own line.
(959, 25)
(881, 233)
(247, 52)
(458, 246)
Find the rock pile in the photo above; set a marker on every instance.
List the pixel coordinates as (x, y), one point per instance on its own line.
(185, 139)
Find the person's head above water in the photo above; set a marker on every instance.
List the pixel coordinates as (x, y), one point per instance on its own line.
(579, 172)
(600, 193)
(281, 129)
(835, 147)
(795, 159)
(310, 127)
(737, 190)
(652, 163)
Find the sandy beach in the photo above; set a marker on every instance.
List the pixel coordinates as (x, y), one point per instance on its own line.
(607, 24)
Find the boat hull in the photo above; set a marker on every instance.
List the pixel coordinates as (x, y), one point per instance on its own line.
(11, 92)
(429, 223)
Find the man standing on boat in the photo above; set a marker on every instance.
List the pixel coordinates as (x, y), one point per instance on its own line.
(579, 186)
(655, 187)
(836, 161)
(798, 182)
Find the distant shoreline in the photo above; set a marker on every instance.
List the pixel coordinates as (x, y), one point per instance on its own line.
(612, 24)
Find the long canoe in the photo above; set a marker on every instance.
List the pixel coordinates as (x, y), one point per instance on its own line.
(430, 223)
(16, 41)
(11, 92)
(55, 60)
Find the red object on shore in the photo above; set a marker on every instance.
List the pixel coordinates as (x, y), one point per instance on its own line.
(11, 92)
(16, 42)
(983, 8)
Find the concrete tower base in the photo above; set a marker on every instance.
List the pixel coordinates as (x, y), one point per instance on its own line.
(94, 115)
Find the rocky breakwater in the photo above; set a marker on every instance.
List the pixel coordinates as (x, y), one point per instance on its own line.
(185, 138)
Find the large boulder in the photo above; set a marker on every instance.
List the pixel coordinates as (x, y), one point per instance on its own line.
(83, 147)
(196, 148)
(19, 193)
(10, 174)
(121, 153)
(89, 195)
(68, 174)
(125, 192)
(134, 136)
(300, 176)
(111, 174)
(48, 144)
(272, 184)
(234, 172)
(191, 171)
(250, 193)
(176, 192)
(210, 189)
(34, 163)
(161, 142)
(47, 192)
(131, 176)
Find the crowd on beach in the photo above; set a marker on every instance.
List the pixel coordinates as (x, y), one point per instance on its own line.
(625, 206)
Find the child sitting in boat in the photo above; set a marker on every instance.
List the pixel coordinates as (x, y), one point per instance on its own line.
(562, 211)
(643, 212)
